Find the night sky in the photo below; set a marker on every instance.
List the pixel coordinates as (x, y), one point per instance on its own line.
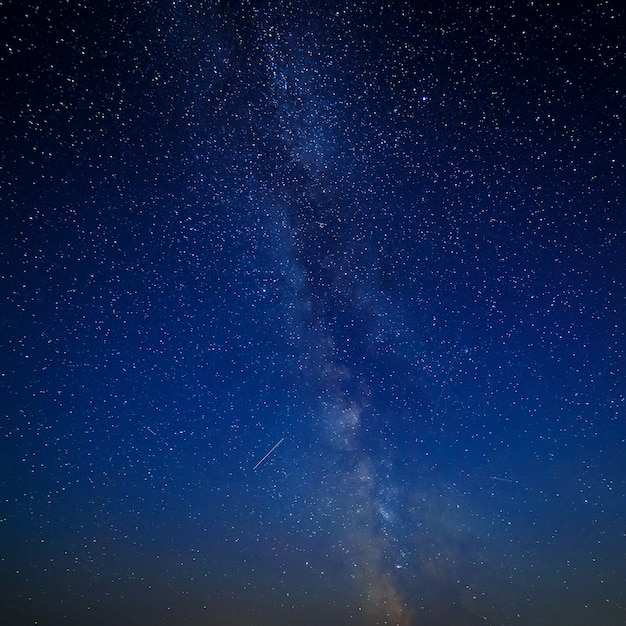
(312, 313)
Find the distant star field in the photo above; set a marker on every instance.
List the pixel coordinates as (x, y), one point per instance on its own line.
(313, 313)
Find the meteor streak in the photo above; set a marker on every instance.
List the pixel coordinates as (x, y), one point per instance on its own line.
(270, 452)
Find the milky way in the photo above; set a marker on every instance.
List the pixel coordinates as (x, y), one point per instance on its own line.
(313, 313)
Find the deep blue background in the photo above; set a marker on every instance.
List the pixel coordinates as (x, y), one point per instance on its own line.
(390, 238)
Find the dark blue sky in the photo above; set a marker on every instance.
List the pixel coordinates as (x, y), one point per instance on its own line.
(383, 243)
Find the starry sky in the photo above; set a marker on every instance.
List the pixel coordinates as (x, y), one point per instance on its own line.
(312, 313)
